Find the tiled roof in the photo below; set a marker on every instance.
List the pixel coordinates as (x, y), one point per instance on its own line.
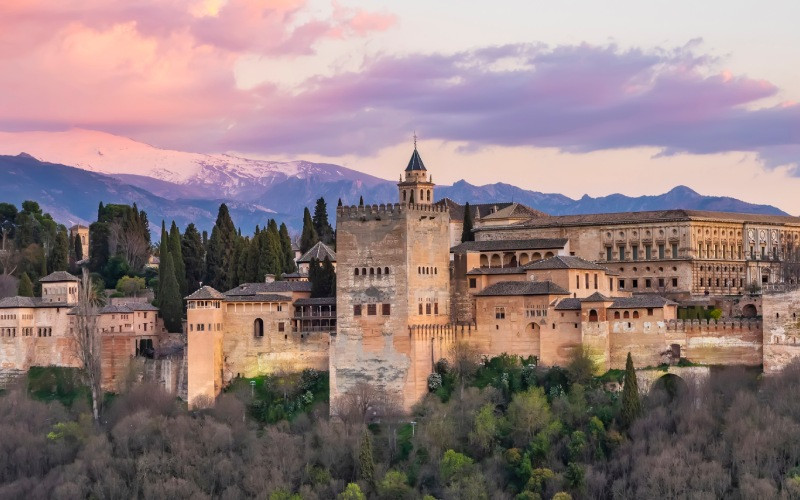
(17, 301)
(141, 306)
(319, 252)
(522, 288)
(261, 297)
(596, 297)
(319, 301)
(59, 276)
(415, 163)
(295, 275)
(563, 262)
(205, 293)
(482, 210)
(646, 217)
(507, 245)
(116, 309)
(514, 211)
(647, 300)
(570, 304)
(496, 270)
(273, 287)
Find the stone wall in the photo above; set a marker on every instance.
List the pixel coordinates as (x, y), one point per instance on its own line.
(781, 313)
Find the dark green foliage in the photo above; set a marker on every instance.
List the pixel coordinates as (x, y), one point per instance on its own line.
(466, 232)
(25, 286)
(56, 383)
(360, 201)
(631, 405)
(321, 224)
(270, 252)
(77, 248)
(322, 277)
(286, 248)
(170, 302)
(193, 258)
(366, 463)
(220, 267)
(98, 246)
(309, 237)
(59, 256)
(115, 268)
(176, 253)
(268, 404)
(163, 252)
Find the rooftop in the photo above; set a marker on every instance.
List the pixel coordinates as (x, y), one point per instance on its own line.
(522, 288)
(507, 245)
(415, 163)
(514, 211)
(59, 276)
(319, 252)
(206, 293)
(273, 287)
(646, 300)
(319, 301)
(570, 304)
(563, 262)
(496, 270)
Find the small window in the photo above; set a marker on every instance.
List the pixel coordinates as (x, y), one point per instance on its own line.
(281, 327)
(420, 308)
(635, 314)
(372, 309)
(435, 308)
(357, 310)
(372, 271)
(648, 283)
(385, 270)
(621, 285)
(499, 313)
(616, 314)
(386, 309)
(473, 283)
(635, 283)
(355, 272)
(428, 308)
(649, 311)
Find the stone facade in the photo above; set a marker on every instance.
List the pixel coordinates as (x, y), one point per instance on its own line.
(81, 232)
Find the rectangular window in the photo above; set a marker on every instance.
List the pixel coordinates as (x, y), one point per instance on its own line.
(473, 283)
(435, 308)
(587, 281)
(595, 281)
(674, 250)
(610, 284)
(280, 307)
(499, 313)
(675, 282)
(357, 310)
(621, 284)
(647, 283)
(649, 311)
(661, 282)
(608, 253)
(635, 283)
(386, 309)
(648, 252)
(661, 250)
(428, 308)
(621, 253)
(635, 252)
(281, 327)
(372, 309)
(420, 308)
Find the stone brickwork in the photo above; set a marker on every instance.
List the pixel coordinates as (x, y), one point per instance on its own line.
(781, 336)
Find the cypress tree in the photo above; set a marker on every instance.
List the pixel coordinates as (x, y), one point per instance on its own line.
(242, 249)
(360, 201)
(309, 237)
(193, 258)
(631, 405)
(321, 224)
(340, 203)
(25, 286)
(253, 249)
(329, 273)
(276, 247)
(219, 256)
(60, 253)
(163, 253)
(205, 239)
(466, 232)
(171, 303)
(100, 211)
(176, 252)
(286, 246)
(366, 463)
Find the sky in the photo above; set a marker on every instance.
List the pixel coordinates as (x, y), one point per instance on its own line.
(576, 97)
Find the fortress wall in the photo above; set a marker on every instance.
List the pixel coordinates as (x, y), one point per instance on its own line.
(781, 336)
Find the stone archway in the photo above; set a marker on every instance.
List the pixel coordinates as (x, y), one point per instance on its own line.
(749, 311)
(496, 261)
(484, 261)
(523, 259)
(672, 385)
(593, 316)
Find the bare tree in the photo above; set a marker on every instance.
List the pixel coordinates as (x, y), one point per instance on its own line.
(9, 258)
(86, 343)
(465, 359)
(135, 249)
(358, 405)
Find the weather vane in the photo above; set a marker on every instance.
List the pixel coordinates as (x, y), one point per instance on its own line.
(415, 139)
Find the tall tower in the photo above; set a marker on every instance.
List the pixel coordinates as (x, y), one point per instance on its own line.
(392, 276)
(417, 188)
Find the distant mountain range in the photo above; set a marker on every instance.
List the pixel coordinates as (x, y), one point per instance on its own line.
(189, 187)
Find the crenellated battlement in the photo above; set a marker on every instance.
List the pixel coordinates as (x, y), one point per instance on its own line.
(449, 330)
(697, 325)
(384, 211)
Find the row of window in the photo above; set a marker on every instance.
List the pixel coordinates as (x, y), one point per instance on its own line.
(733, 282)
(372, 310)
(258, 328)
(578, 281)
(202, 304)
(724, 268)
(59, 290)
(536, 312)
(635, 255)
(427, 270)
(372, 271)
(628, 314)
(422, 195)
(202, 327)
(44, 332)
(10, 316)
(648, 283)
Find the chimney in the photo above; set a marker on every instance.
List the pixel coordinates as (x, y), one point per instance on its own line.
(269, 278)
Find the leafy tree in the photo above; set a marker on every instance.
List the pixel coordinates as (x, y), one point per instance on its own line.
(176, 252)
(366, 463)
(321, 224)
(220, 268)
(580, 365)
(309, 237)
(527, 414)
(98, 246)
(289, 265)
(394, 485)
(170, 303)
(466, 232)
(485, 430)
(130, 286)
(465, 362)
(453, 465)
(193, 258)
(25, 286)
(631, 404)
(351, 492)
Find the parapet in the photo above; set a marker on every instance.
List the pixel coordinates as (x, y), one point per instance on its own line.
(679, 325)
(384, 211)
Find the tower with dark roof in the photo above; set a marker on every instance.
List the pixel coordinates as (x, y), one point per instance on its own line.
(417, 187)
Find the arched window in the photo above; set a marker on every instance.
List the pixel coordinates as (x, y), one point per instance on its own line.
(429, 195)
(385, 270)
(355, 272)
(616, 314)
(404, 195)
(372, 271)
(258, 328)
(593, 316)
(626, 315)
(421, 194)
(635, 314)
(435, 270)
(364, 271)
(379, 271)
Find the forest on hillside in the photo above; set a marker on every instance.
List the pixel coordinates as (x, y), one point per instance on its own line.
(499, 428)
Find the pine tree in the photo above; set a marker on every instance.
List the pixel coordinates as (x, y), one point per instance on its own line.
(219, 256)
(59, 256)
(289, 265)
(631, 405)
(25, 286)
(321, 224)
(193, 258)
(309, 237)
(176, 252)
(170, 303)
(366, 463)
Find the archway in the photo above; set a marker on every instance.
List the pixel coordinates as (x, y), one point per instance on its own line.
(749, 311)
(593, 316)
(509, 260)
(536, 256)
(548, 255)
(523, 259)
(258, 327)
(496, 262)
(670, 385)
(484, 261)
